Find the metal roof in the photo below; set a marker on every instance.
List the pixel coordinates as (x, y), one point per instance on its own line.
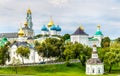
(79, 31)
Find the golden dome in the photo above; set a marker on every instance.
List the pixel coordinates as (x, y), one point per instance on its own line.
(25, 23)
(98, 26)
(50, 23)
(29, 11)
(20, 32)
(81, 27)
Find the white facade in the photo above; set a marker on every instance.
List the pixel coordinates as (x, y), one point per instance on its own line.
(94, 69)
(53, 32)
(83, 39)
(33, 56)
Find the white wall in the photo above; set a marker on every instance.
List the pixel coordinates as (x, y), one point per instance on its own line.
(83, 39)
(98, 69)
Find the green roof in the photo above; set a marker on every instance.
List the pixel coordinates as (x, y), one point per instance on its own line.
(98, 33)
(93, 39)
(3, 41)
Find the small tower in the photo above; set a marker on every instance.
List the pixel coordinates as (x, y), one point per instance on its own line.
(98, 35)
(94, 66)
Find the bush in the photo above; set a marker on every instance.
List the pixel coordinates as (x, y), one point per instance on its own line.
(67, 63)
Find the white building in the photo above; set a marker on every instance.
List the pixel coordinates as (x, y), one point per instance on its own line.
(22, 42)
(94, 66)
(81, 37)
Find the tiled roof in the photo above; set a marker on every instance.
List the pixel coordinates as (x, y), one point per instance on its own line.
(9, 35)
(79, 31)
(94, 61)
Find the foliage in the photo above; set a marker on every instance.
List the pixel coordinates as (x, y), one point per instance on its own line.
(67, 63)
(112, 57)
(77, 51)
(66, 36)
(23, 52)
(102, 52)
(105, 42)
(4, 54)
(38, 36)
(51, 47)
(118, 40)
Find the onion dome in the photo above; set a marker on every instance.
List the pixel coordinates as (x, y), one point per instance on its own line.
(29, 11)
(58, 28)
(50, 23)
(20, 32)
(98, 32)
(53, 27)
(44, 28)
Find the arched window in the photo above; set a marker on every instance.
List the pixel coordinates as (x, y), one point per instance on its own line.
(93, 71)
(99, 71)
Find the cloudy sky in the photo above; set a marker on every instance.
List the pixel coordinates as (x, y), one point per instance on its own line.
(69, 14)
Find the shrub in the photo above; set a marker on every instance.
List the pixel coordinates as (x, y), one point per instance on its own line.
(67, 63)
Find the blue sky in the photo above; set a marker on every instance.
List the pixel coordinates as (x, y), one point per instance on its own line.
(69, 14)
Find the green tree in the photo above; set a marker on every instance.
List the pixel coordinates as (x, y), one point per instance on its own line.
(66, 36)
(105, 42)
(4, 54)
(51, 47)
(112, 57)
(23, 52)
(118, 40)
(102, 52)
(77, 51)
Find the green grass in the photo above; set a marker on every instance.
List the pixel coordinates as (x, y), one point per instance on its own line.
(50, 70)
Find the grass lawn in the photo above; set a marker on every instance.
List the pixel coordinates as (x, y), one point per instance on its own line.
(49, 70)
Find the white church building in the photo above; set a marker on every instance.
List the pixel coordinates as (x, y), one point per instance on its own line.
(22, 42)
(94, 66)
(82, 37)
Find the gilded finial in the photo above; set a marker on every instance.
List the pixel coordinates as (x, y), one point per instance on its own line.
(81, 27)
(98, 26)
(51, 22)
